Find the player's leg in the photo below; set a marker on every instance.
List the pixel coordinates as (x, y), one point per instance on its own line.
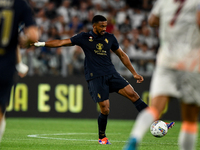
(102, 121)
(5, 89)
(99, 92)
(188, 133)
(103, 117)
(189, 88)
(132, 95)
(162, 85)
(2, 123)
(120, 85)
(144, 120)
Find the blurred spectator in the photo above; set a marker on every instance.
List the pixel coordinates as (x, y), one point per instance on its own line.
(38, 4)
(111, 25)
(134, 3)
(53, 33)
(75, 25)
(130, 49)
(83, 12)
(116, 4)
(50, 10)
(78, 61)
(137, 17)
(88, 22)
(125, 27)
(64, 10)
(56, 2)
(134, 35)
(146, 59)
(147, 37)
(121, 16)
(118, 35)
(98, 10)
(43, 23)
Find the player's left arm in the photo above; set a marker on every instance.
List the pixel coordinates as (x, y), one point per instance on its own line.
(126, 61)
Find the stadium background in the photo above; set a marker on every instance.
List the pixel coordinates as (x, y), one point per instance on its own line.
(55, 84)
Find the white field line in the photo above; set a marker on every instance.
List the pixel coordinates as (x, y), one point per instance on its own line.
(44, 136)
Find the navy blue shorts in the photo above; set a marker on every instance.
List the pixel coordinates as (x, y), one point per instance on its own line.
(6, 83)
(5, 89)
(100, 87)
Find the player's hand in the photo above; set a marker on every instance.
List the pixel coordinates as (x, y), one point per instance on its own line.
(22, 69)
(39, 44)
(139, 78)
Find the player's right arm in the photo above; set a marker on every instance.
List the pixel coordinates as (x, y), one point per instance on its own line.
(54, 43)
(154, 19)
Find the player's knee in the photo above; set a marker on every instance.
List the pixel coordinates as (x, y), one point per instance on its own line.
(105, 111)
(133, 96)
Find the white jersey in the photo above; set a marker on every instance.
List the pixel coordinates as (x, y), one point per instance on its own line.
(179, 34)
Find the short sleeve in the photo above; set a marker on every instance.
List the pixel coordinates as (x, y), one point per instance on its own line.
(157, 8)
(115, 44)
(27, 15)
(77, 39)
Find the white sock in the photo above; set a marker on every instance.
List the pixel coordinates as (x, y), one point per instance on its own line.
(143, 123)
(187, 140)
(2, 127)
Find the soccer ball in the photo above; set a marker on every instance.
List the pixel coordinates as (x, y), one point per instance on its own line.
(159, 128)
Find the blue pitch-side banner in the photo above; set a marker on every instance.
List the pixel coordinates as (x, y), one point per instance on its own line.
(69, 98)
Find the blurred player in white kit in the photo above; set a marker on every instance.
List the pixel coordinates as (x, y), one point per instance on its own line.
(178, 70)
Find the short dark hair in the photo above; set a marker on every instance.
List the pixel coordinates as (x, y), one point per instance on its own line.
(98, 18)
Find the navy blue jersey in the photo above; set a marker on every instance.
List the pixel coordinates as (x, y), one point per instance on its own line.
(12, 13)
(97, 53)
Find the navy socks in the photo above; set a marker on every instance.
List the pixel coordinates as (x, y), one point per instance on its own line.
(140, 105)
(102, 122)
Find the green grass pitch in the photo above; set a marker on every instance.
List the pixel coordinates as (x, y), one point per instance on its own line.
(77, 134)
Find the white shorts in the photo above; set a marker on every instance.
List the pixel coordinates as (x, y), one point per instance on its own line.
(175, 83)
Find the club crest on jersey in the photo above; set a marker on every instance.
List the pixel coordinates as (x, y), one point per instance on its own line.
(106, 40)
(99, 46)
(90, 38)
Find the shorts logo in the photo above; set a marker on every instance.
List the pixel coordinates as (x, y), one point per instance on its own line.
(99, 96)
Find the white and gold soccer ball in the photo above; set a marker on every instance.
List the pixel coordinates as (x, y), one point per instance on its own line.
(159, 128)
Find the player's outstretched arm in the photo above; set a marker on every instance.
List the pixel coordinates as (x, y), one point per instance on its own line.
(54, 43)
(126, 61)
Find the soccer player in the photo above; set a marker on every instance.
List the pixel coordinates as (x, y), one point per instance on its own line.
(178, 70)
(12, 12)
(101, 76)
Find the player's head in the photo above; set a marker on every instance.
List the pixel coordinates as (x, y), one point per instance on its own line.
(99, 24)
